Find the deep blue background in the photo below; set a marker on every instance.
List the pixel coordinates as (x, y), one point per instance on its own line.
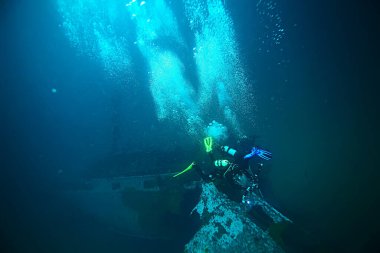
(317, 112)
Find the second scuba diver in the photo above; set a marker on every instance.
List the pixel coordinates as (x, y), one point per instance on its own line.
(230, 171)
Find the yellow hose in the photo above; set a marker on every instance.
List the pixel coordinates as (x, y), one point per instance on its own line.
(185, 170)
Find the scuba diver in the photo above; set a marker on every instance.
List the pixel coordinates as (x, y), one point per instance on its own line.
(231, 171)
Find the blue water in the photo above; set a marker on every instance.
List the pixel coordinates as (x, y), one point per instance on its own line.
(80, 84)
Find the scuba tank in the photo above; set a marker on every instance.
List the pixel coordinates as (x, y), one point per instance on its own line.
(229, 150)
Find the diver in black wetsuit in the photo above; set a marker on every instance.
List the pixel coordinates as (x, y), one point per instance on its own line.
(231, 172)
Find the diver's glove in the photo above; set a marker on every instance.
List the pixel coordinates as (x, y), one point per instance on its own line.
(266, 155)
